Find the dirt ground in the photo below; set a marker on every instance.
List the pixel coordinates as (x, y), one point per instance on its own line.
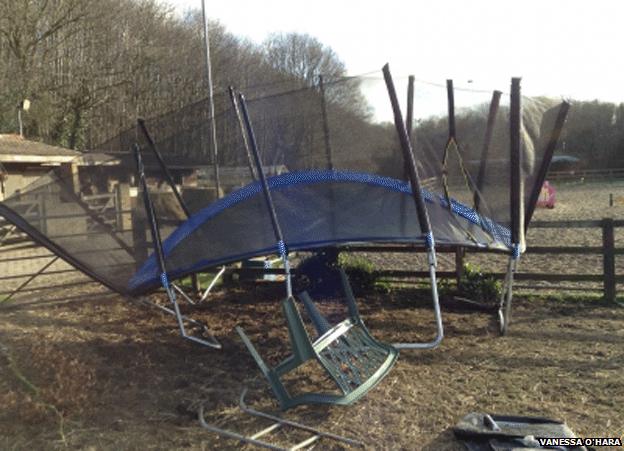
(105, 374)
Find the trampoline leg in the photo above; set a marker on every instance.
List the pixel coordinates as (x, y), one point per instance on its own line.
(504, 309)
(212, 284)
(436, 307)
(181, 319)
(212, 343)
(186, 297)
(203, 297)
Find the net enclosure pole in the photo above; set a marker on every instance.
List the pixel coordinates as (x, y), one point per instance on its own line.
(515, 159)
(170, 181)
(408, 154)
(543, 169)
(450, 141)
(485, 150)
(160, 254)
(241, 126)
(409, 120)
(283, 251)
(328, 149)
(516, 202)
(163, 166)
(211, 111)
(149, 209)
(450, 96)
(421, 210)
(408, 125)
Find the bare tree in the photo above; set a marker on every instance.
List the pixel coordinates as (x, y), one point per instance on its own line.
(302, 56)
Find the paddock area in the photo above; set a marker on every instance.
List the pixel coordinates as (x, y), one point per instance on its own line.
(108, 375)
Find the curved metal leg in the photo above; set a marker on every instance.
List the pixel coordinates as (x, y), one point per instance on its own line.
(436, 307)
(504, 309)
(212, 342)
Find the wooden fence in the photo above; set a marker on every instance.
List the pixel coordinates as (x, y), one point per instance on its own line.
(607, 250)
(606, 175)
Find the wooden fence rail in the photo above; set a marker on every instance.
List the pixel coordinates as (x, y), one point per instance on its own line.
(587, 174)
(608, 251)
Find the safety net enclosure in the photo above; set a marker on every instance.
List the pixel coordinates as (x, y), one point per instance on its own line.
(334, 165)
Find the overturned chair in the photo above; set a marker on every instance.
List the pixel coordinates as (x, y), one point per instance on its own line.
(350, 356)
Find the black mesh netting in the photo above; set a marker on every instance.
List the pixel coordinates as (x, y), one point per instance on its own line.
(335, 170)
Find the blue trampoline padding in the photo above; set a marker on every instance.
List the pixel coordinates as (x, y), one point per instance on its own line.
(148, 275)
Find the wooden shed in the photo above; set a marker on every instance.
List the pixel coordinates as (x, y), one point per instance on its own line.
(23, 161)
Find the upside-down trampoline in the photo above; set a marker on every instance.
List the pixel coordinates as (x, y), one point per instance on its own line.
(303, 169)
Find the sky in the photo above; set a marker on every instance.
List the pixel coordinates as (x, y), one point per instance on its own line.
(561, 48)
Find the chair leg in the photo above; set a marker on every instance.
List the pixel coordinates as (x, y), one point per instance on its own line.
(276, 385)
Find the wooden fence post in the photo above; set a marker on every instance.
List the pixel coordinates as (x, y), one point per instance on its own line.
(608, 259)
(459, 263)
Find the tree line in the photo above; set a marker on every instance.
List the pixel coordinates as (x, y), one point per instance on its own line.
(90, 67)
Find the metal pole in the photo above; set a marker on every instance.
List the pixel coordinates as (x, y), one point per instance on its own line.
(163, 167)
(451, 140)
(450, 94)
(485, 150)
(408, 154)
(543, 170)
(267, 194)
(517, 183)
(213, 125)
(160, 254)
(328, 149)
(409, 120)
(329, 155)
(241, 125)
(421, 210)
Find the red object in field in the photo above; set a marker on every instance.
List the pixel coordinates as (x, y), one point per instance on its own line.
(547, 196)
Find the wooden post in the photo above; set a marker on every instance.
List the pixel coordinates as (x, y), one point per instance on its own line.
(608, 259)
(460, 252)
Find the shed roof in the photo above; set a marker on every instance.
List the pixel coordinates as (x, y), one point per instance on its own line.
(15, 149)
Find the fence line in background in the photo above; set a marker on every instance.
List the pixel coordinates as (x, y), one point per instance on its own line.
(587, 174)
(607, 250)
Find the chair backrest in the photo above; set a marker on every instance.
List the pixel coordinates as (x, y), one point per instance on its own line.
(318, 320)
(299, 339)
